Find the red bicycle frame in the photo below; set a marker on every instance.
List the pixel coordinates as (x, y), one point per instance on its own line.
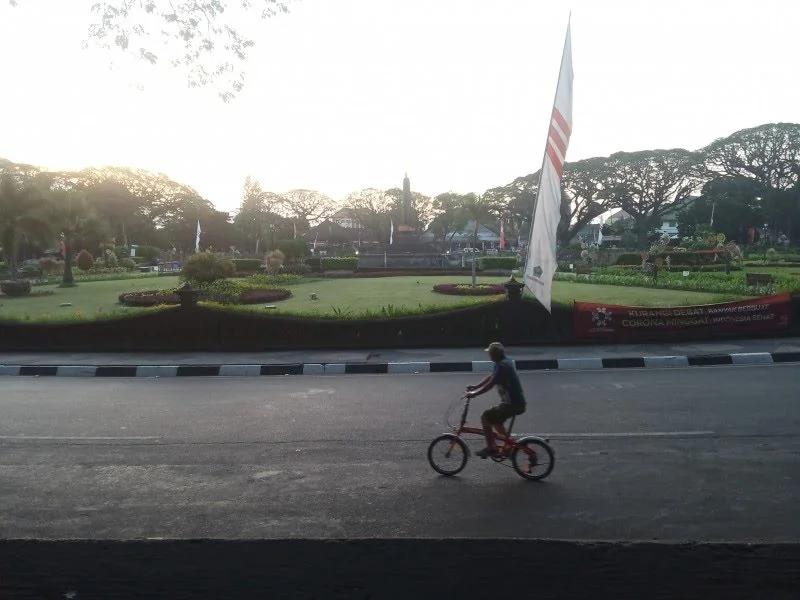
(508, 442)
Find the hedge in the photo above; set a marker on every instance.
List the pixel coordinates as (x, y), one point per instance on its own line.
(21, 287)
(497, 262)
(465, 289)
(314, 263)
(683, 258)
(247, 265)
(340, 263)
(149, 298)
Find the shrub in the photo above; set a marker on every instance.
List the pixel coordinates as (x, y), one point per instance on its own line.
(295, 269)
(236, 292)
(85, 260)
(149, 298)
(270, 280)
(127, 263)
(498, 262)
(314, 263)
(31, 270)
(206, 266)
(631, 258)
(293, 250)
(51, 266)
(465, 289)
(247, 265)
(110, 259)
(340, 263)
(275, 260)
(21, 287)
(148, 253)
(122, 252)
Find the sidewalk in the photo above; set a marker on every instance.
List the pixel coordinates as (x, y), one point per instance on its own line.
(408, 355)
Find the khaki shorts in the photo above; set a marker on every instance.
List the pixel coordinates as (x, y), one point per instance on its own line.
(497, 415)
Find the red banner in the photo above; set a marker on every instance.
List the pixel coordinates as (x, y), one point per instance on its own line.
(620, 323)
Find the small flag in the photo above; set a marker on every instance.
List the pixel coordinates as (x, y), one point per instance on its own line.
(502, 235)
(294, 227)
(315, 240)
(197, 237)
(541, 263)
(391, 232)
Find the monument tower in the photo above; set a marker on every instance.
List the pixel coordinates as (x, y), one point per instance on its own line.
(406, 210)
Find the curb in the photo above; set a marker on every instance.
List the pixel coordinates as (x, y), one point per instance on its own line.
(363, 368)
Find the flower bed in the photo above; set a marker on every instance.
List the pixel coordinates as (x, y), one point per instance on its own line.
(465, 289)
(149, 298)
(263, 295)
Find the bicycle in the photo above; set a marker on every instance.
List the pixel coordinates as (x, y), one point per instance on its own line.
(532, 457)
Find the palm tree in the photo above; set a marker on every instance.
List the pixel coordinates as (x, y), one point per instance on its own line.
(479, 209)
(20, 215)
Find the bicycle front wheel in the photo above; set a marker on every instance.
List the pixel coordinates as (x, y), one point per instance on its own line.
(533, 459)
(447, 454)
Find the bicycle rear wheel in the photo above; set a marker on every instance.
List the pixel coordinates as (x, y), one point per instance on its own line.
(533, 459)
(447, 454)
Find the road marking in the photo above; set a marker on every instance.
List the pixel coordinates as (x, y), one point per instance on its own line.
(73, 438)
(623, 434)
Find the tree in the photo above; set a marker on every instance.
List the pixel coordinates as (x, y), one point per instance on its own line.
(449, 216)
(727, 205)
(649, 183)
(306, 207)
(21, 206)
(479, 210)
(257, 218)
(517, 199)
(199, 37)
(373, 209)
(582, 196)
(71, 217)
(769, 155)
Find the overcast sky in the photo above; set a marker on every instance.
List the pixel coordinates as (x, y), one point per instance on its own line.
(346, 94)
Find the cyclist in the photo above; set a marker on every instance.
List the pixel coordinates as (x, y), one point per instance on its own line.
(512, 400)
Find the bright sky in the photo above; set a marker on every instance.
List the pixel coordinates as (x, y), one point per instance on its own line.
(346, 94)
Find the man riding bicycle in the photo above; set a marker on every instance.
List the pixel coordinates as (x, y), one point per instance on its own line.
(512, 400)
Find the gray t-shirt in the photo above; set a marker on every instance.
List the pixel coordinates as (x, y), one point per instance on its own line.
(507, 381)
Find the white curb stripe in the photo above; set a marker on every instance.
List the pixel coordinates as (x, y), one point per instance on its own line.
(579, 363)
(409, 367)
(752, 358)
(660, 362)
(156, 371)
(76, 371)
(482, 366)
(313, 369)
(335, 369)
(239, 370)
(9, 370)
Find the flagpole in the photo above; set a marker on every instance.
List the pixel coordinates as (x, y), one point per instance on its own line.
(547, 136)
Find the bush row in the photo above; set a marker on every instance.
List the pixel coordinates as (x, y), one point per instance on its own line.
(696, 282)
(498, 262)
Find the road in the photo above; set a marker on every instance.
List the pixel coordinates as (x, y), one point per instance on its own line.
(675, 454)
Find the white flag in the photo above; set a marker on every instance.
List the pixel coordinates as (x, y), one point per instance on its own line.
(391, 232)
(197, 237)
(541, 264)
(600, 234)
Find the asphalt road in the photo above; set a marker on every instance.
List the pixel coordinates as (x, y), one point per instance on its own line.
(679, 454)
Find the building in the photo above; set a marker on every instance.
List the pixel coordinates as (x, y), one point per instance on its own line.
(346, 218)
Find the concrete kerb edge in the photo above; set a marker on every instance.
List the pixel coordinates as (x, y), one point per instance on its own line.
(411, 367)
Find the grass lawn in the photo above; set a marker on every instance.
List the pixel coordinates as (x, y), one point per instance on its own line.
(353, 296)
(358, 295)
(89, 299)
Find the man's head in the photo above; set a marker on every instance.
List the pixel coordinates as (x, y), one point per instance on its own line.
(496, 351)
